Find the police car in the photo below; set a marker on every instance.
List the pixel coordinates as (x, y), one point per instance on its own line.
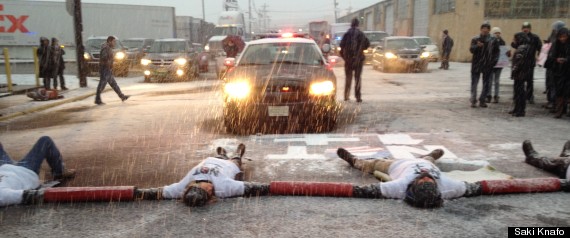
(280, 83)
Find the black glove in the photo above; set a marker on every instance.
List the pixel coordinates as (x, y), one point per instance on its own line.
(366, 191)
(255, 189)
(31, 197)
(148, 194)
(565, 185)
(473, 189)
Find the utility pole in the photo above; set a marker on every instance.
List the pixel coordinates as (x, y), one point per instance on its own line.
(80, 50)
(203, 11)
(249, 13)
(335, 11)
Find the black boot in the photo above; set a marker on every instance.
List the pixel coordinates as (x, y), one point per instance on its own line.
(435, 154)
(148, 194)
(528, 150)
(566, 150)
(496, 99)
(346, 156)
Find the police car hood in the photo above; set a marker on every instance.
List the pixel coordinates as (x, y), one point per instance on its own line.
(260, 75)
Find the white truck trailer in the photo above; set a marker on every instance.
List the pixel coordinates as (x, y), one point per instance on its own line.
(24, 22)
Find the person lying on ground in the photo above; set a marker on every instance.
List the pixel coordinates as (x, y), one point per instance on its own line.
(214, 177)
(557, 165)
(19, 180)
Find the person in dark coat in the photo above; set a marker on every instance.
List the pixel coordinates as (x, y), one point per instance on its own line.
(44, 55)
(535, 45)
(106, 71)
(549, 82)
(58, 63)
(521, 71)
(353, 44)
(558, 62)
(446, 47)
(485, 52)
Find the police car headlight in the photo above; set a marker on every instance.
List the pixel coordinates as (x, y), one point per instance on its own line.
(207, 47)
(86, 56)
(145, 62)
(322, 88)
(390, 55)
(237, 90)
(120, 55)
(180, 61)
(424, 55)
(365, 51)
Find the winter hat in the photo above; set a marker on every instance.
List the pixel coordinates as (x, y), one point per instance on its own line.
(557, 25)
(424, 195)
(495, 30)
(526, 24)
(486, 25)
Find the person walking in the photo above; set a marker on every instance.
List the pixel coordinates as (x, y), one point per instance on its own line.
(352, 47)
(535, 45)
(521, 71)
(549, 82)
(446, 47)
(44, 55)
(58, 63)
(19, 180)
(485, 52)
(558, 62)
(106, 71)
(496, 73)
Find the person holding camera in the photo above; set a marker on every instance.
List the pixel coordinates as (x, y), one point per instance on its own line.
(485, 50)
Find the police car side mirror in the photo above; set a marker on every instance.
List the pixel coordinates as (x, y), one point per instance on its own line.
(326, 48)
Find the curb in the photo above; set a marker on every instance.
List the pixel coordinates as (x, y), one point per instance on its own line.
(47, 106)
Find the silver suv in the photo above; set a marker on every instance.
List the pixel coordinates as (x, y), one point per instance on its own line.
(170, 60)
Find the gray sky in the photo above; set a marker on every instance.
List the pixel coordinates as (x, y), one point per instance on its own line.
(282, 12)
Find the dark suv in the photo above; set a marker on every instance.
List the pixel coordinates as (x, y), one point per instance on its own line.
(137, 48)
(122, 60)
(400, 53)
(170, 60)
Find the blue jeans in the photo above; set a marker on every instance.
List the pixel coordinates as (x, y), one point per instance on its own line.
(495, 81)
(485, 89)
(106, 76)
(43, 149)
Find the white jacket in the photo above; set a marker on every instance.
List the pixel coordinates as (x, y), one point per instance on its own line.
(13, 181)
(220, 172)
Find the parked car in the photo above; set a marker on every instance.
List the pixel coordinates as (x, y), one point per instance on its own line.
(284, 82)
(400, 53)
(121, 64)
(375, 37)
(430, 47)
(137, 48)
(202, 57)
(170, 60)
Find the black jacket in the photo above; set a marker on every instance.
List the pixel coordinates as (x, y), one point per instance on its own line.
(486, 57)
(352, 46)
(535, 46)
(106, 56)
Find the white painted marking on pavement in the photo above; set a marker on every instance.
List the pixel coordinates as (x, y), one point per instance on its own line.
(321, 139)
(407, 152)
(296, 152)
(398, 139)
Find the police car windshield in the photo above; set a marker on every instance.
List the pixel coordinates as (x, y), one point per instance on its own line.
(168, 47)
(282, 53)
(397, 44)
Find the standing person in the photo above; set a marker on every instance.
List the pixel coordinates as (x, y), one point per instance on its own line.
(19, 179)
(496, 74)
(535, 45)
(419, 182)
(214, 177)
(550, 85)
(352, 47)
(58, 65)
(446, 47)
(485, 56)
(106, 71)
(44, 55)
(521, 71)
(558, 62)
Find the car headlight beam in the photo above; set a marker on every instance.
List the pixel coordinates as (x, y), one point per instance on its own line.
(120, 55)
(86, 56)
(145, 62)
(237, 90)
(322, 88)
(180, 61)
(390, 55)
(424, 55)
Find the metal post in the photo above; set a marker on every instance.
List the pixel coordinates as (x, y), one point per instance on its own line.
(8, 73)
(78, 26)
(36, 66)
(249, 2)
(203, 11)
(335, 5)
